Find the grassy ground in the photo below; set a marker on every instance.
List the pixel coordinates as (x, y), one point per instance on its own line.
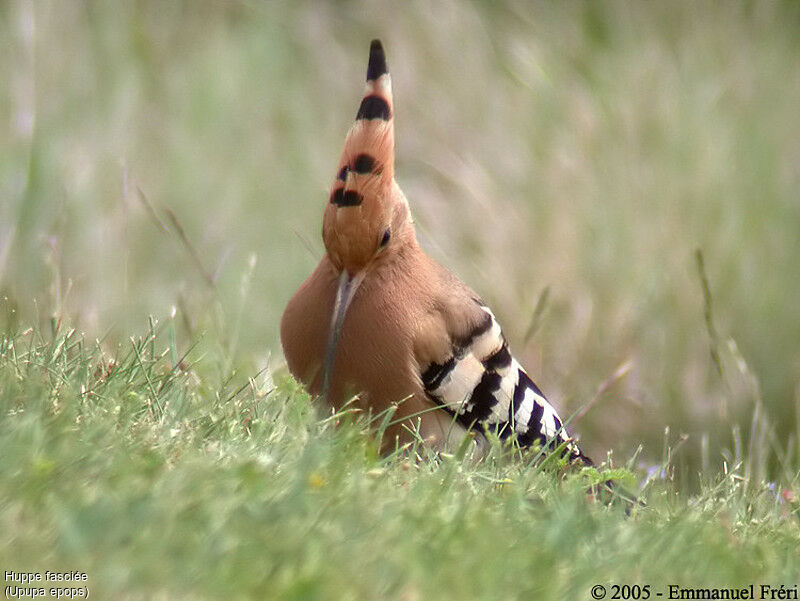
(159, 481)
(567, 160)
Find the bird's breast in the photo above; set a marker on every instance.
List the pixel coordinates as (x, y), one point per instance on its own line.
(374, 356)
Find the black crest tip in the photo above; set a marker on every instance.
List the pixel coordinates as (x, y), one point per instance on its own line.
(377, 61)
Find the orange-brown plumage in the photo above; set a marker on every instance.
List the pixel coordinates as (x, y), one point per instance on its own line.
(380, 320)
(401, 317)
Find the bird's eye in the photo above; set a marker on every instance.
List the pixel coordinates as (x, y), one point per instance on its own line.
(387, 234)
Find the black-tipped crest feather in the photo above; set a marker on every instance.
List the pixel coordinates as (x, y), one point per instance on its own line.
(377, 61)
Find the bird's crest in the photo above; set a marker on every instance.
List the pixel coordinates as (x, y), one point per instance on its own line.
(364, 197)
(367, 161)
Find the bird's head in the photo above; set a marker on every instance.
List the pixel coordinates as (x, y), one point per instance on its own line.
(367, 219)
(367, 213)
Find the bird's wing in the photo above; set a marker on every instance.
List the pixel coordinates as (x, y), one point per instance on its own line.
(479, 383)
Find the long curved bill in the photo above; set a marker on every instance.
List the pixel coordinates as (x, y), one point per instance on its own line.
(345, 290)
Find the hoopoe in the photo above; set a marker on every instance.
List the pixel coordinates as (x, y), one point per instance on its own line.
(380, 321)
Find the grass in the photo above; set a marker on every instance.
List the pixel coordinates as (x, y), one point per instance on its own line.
(618, 181)
(160, 482)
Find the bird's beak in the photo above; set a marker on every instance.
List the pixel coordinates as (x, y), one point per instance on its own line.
(345, 290)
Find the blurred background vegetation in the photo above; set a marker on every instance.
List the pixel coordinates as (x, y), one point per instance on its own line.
(570, 155)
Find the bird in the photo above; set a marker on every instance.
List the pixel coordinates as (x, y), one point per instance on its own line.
(383, 326)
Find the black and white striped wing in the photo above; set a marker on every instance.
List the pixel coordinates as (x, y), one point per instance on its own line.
(482, 386)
